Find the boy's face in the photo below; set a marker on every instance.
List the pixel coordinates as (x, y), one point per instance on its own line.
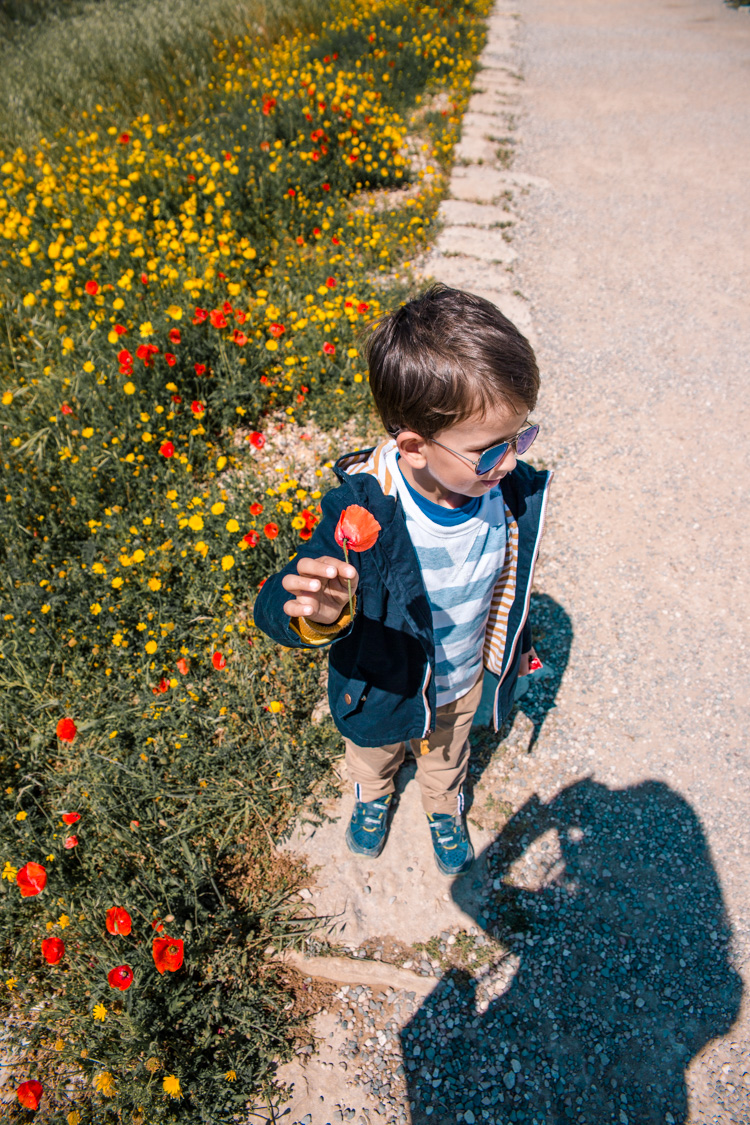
(446, 476)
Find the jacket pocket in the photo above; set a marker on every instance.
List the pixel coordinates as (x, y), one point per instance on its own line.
(350, 697)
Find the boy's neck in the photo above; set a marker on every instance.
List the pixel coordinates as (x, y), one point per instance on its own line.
(426, 485)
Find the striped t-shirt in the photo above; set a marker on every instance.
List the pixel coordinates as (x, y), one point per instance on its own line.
(460, 564)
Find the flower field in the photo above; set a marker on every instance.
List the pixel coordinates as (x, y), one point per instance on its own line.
(176, 290)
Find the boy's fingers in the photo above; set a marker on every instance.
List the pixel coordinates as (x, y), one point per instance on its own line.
(295, 583)
(326, 567)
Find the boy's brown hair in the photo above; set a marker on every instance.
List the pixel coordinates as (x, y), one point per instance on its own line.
(445, 356)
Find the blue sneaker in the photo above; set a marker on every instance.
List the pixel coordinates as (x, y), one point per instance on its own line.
(368, 827)
(452, 846)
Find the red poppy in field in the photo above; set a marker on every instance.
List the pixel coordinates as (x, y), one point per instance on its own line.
(240, 316)
(66, 408)
(53, 950)
(265, 146)
(70, 842)
(271, 530)
(121, 977)
(66, 730)
(191, 177)
(257, 439)
(218, 319)
(357, 529)
(157, 925)
(362, 307)
(256, 509)
(161, 687)
(170, 358)
(118, 921)
(174, 335)
(124, 357)
(300, 240)
(200, 316)
(265, 380)
(144, 278)
(200, 369)
(120, 329)
(183, 666)
(167, 449)
(92, 288)
(71, 817)
(219, 661)
(168, 954)
(177, 399)
(329, 349)
(331, 282)
(31, 879)
(269, 104)
(251, 538)
(198, 408)
(276, 330)
(239, 338)
(30, 1093)
(326, 187)
(291, 193)
(124, 138)
(336, 241)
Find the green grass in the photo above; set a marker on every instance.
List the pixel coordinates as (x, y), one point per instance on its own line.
(130, 56)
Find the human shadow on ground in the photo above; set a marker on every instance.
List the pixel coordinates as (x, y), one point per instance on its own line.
(616, 923)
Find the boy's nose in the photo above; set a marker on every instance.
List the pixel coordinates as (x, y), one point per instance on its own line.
(509, 461)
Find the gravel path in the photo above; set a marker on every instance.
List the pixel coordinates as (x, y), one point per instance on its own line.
(606, 978)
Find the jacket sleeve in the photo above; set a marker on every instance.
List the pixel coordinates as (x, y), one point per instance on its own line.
(268, 610)
(526, 637)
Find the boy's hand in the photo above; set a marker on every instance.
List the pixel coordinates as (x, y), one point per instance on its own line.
(319, 588)
(529, 661)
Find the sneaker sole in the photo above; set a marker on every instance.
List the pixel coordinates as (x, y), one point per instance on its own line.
(373, 853)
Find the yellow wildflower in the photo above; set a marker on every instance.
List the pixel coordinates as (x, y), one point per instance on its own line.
(231, 1076)
(100, 1012)
(171, 1086)
(10, 872)
(232, 525)
(218, 508)
(95, 608)
(227, 562)
(154, 584)
(151, 647)
(63, 921)
(12, 982)
(21, 815)
(104, 1082)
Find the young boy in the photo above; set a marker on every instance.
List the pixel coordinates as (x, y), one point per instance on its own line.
(444, 592)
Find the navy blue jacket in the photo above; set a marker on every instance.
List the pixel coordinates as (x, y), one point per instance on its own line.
(381, 683)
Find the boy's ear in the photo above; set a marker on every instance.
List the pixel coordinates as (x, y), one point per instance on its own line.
(411, 447)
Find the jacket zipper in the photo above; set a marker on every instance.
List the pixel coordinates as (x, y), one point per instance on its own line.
(527, 600)
(428, 716)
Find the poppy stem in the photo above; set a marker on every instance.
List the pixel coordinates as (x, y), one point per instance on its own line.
(349, 582)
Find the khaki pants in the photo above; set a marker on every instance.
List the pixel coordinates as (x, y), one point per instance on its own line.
(441, 772)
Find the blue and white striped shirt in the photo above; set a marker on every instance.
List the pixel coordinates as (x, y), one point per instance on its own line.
(460, 564)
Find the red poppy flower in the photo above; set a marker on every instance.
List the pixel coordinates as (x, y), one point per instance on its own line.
(291, 193)
(300, 240)
(168, 954)
(200, 369)
(316, 232)
(326, 187)
(362, 307)
(167, 449)
(198, 408)
(30, 1093)
(118, 921)
(305, 533)
(177, 398)
(265, 380)
(124, 138)
(121, 977)
(251, 538)
(66, 730)
(239, 338)
(124, 357)
(70, 842)
(269, 105)
(120, 329)
(171, 359)
(174, 335)
(144, 278)
(92, 288)
(357, 528)
(66, 408)
(53, 950)
(183, 666)
(31, 879)
(227, 306)
(257, 439)
(218, 320)
(276, 329)
(191, 177)
(331, 282)
(329, 349)
(256, 509)
(219, 661)
(271, 530)
(200, 316)
(161, 687)
(71, 817)
(265, 146)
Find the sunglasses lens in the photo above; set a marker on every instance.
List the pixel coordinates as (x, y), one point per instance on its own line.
(491, 457)
(526, 439)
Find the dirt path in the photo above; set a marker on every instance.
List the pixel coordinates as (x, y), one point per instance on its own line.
(595, 967)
